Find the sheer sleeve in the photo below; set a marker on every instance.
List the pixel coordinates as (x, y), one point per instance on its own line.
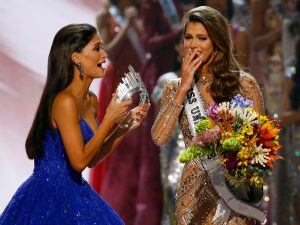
(251, 91)
(165, 122)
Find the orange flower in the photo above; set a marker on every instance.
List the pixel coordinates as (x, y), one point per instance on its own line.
(272, 157)
(268, 135)
(271, 144)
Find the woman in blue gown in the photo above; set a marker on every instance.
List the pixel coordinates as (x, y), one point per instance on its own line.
(65, 138)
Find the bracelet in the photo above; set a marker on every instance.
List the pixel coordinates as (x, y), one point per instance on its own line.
(123, 126)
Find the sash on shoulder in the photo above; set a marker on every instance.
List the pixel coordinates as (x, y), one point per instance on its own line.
(170, 12)
(194, 108)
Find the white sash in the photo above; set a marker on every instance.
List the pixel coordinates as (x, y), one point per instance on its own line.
(194, 108)
(132, 34)
(170, 12)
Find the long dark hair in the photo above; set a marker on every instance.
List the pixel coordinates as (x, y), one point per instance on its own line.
(69, 39)
(223, 66)
(295, 93)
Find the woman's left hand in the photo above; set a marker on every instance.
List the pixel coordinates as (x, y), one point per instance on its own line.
(136, 116)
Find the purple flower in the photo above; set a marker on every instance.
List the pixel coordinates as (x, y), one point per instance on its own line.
(232, 161)
(241, 101)
(211, 112)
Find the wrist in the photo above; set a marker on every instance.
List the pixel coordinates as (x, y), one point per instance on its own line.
(183, 89)
(179, 96)
(108, 123)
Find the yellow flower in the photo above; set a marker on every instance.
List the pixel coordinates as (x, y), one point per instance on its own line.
(244, 163)
(248, 130)
(263, 118)
(256, 180)
(246, 152)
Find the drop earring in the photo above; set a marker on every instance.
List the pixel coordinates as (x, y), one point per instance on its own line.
(81, 71)
(215, 52)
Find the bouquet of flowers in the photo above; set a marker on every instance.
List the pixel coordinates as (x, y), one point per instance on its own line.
(244, 142)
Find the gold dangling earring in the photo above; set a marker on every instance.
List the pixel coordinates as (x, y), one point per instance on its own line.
(81, 71)
(215, 52)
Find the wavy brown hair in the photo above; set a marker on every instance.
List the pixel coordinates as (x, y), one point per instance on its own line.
(223, 65)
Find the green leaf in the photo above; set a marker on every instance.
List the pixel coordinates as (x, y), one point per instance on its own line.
(231, 144)
(203, 125)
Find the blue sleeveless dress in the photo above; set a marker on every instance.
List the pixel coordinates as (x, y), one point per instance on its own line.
(56, 194)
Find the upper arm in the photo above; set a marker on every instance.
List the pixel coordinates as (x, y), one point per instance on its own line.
(164, 123)
(166, 94)
(251, 91)
(65, 115)
(169, 91)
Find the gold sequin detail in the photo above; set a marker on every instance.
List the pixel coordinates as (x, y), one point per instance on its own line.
(196, 198)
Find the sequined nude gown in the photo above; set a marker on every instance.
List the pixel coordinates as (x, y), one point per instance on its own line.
(196, 198)
(55, 194)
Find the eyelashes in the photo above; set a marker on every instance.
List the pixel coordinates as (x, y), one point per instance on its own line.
(199, 38)
(98, 48)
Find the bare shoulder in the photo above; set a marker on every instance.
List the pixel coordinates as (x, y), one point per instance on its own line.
(64, 99)
(64, 105)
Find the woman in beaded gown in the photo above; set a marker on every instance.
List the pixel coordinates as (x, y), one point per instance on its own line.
(210, 61)
(65, 138)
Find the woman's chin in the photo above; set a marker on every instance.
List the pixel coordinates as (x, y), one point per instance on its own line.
(100, 73)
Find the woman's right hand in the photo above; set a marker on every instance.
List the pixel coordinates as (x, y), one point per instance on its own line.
(190, 64)
(116, 112)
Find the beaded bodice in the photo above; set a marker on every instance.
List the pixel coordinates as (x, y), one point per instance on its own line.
(170, 111)
(55, 162)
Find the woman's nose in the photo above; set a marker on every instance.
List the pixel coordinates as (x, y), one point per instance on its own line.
(194, 44)
(104, 54)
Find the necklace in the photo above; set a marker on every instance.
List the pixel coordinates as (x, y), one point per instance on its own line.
(204, 79)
